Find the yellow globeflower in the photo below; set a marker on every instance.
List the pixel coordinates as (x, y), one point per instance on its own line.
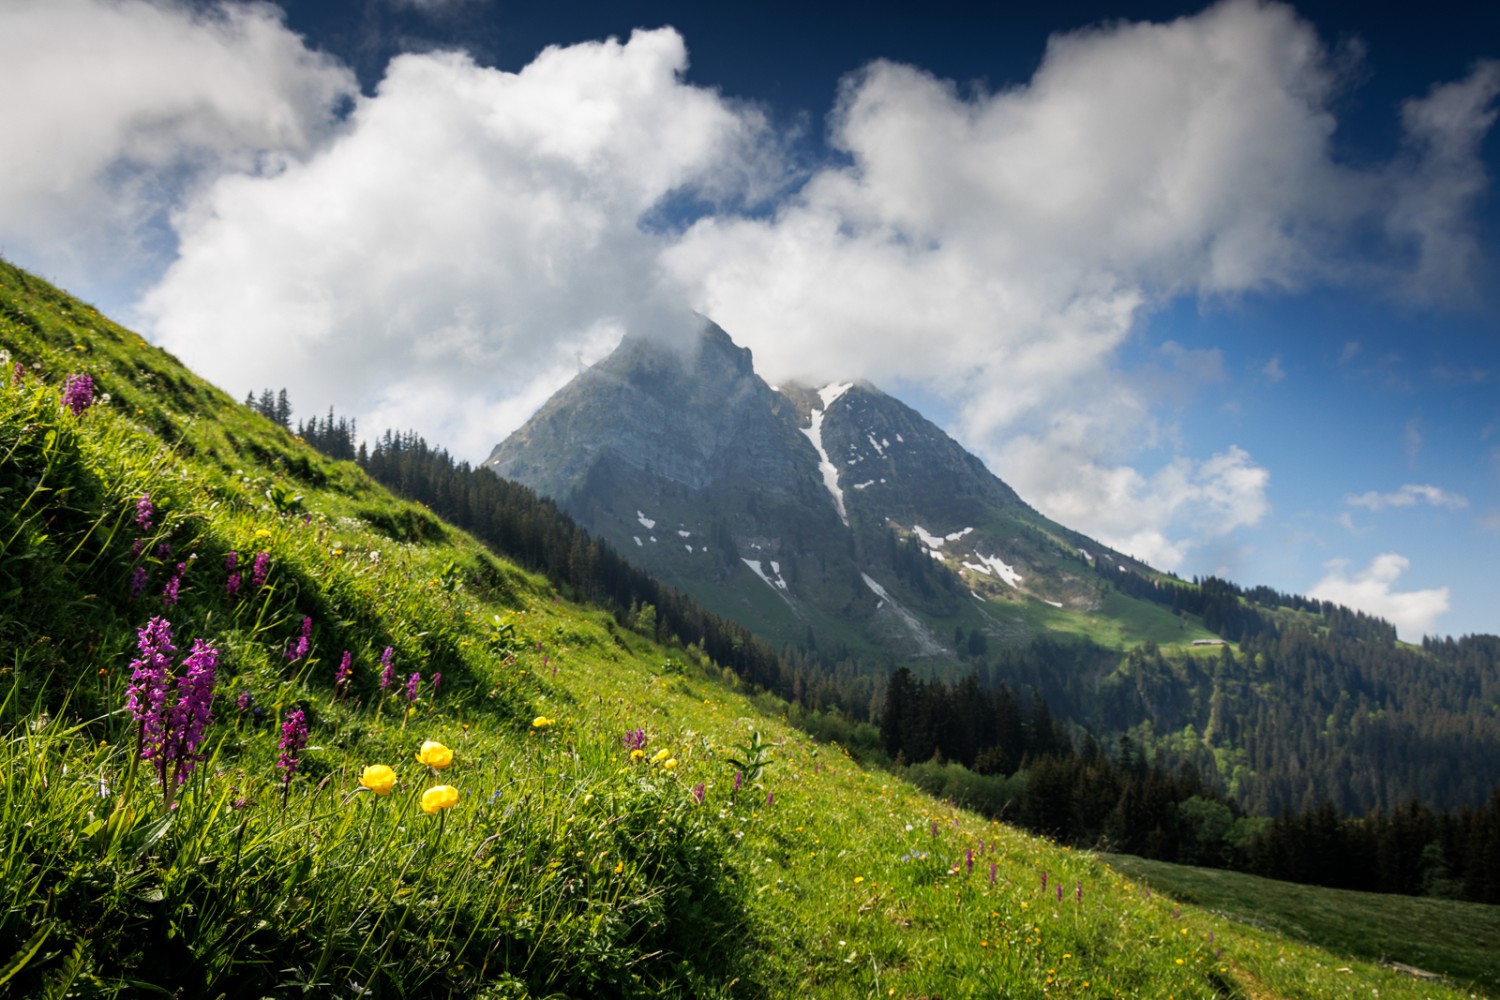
(671, 763)
(439, 797)
(661, 755)
(637, 754)
(434, 755)
(378, 778)
(541, 722)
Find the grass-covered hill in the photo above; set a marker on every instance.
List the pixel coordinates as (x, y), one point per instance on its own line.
(228, 766)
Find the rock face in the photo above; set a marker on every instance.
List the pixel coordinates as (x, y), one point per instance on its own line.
(834, 515)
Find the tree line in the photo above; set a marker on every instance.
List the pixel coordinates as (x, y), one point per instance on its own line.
(984, 748)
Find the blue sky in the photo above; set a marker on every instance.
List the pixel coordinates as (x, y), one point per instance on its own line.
(1212, 283)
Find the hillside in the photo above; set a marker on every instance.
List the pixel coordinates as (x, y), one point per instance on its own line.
(733, 856)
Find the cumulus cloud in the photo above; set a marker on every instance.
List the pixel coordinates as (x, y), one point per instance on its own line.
(1408, 495)
(1002, 248)
(1371, 590)
(443, 252)
(115, 110)
(465, 243)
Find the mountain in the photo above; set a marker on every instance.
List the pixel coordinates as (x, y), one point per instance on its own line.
(834, 517)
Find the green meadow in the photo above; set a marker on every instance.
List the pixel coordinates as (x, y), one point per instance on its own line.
(618, 818)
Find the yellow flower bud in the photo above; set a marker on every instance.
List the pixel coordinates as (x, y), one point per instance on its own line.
(439, 797)
(542, 722)
(671, 763)
(661, 755)
(378, 778)
(434, 755)
(637, 754)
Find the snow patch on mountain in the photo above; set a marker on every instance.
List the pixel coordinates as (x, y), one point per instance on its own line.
(775, 584)
(997, 566)
(645, 521)
(829, 471)
(926, 642)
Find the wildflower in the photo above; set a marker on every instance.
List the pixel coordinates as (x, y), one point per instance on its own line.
(146, 697)
(189, 718)
(346, 668)
(434, 755)
(259, 567)
(387, 669)
(244, 701)
(770, 798)
(378, 778)
(293, 739)
(137, 582)
(669, 763)
(232, 585)
(439, 797)
(1044, 881)
(699, 793)
(78, 393)
(1078, 893)
(635, 739)
(637, 754)
(436, 682)
(297, 649)
(992, 873)
(661, 754)
(739, 779)
(144, 512)
(164, 550)
(169, 592)
(969, 862)
(412, 684)
(542, 722)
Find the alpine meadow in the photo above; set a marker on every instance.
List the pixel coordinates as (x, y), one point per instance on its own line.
(272, 731)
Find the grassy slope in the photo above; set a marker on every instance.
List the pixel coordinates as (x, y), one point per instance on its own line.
(1462, 939)
(565, 869)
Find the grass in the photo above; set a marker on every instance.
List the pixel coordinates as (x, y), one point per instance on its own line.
(1461, 939)
(567, 867)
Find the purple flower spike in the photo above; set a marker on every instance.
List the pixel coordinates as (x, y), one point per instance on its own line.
(1078, 893)
(699, 793)
(1059, 892)
(1044, 881)
(770, 798)
(194, 709)
(144, 512)
(169, 593)
(739, 779)
(232, 585)
(635, 739)
(259, 567)
(436, 682)
(992, 873)
(969, 861)
(137, 582)
(231, 561)
(244, 701)
(346, 668)
(146, 697)
(412, 684)
(293, 739)
(299, 648)
(78, 393)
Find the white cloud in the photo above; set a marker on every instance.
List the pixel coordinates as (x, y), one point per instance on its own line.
(1370, 590)
(451, 249)
(469, 236)
(113, 109)
(1408, 495)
